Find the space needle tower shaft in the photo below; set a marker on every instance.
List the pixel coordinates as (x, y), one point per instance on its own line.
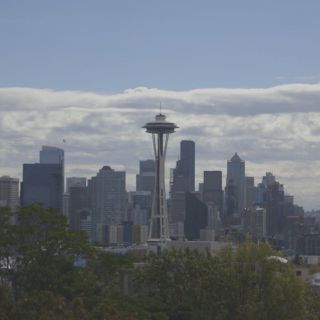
(159, 227)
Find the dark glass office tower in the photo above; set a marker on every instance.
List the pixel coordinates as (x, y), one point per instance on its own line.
(186, 165)
(182, 181)
(196, 216)
(212, 189)
(42, 184)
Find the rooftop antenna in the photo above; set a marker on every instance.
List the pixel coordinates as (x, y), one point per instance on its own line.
(160, 107)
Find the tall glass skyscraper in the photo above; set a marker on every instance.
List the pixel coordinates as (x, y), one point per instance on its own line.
(187, 162)
(49, 154)
(43, 182)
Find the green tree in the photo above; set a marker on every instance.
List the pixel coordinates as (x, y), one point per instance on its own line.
(44, 252)
(8, 233)
(242, 285)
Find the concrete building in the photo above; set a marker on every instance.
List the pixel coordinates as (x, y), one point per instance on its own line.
(254, 221)
(212, 190)
(196, 216)
(76, 182)
(79, 205)
(108, 199)
(250, 192)
(66, 205)
(201, 246)
(9, 192)
(139, 234)
(236, 177)
(140, 207)
(145, 180)
(274, 204)
(309, 244)
(86, 223)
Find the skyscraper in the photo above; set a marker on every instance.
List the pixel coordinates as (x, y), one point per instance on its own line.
(9, 192)
(196, 216)
(76, 181)
(273, 202)
(250, 192)
(79, 206)
(140, 207)
(146, 178)
(236, 177)
(186, 166)
(182, 181)
(212, 189)
(43, 182)
(108, 200)
(184, 173)
(51, 155)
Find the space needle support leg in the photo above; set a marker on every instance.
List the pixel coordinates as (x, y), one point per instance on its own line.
(154, 202)
(154, 145)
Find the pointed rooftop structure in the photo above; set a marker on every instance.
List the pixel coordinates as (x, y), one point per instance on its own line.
(236, 158)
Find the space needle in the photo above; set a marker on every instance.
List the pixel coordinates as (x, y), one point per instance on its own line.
(159, 227)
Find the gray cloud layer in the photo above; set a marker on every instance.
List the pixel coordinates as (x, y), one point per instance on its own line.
(273, 129)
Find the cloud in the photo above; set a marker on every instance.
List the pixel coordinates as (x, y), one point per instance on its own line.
(271, 128)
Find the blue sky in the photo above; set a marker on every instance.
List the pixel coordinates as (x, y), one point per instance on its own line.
(109, 46)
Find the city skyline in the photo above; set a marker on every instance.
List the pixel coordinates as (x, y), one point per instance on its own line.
(243, 77)
(283, 141)
(102, 215)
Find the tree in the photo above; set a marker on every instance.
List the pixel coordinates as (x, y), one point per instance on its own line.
(45, 252)
(241, 285)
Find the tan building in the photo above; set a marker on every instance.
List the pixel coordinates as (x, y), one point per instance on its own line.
(9, 192)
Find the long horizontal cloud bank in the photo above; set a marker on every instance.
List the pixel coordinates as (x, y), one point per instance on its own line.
(219, 101)
(274, 129)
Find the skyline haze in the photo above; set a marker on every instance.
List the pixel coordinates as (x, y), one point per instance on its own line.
(237, 76)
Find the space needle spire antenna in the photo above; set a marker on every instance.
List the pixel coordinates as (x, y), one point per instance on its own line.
(159, 227)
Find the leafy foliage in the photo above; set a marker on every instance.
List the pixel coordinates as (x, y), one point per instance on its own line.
(244, 285)
(40, 280)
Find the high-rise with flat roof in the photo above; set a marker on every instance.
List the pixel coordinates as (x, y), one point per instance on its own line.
(9, 192)
(186, 165)
(212, 189)
(196, 216)
(250, 192)
(43, 182)
(108, 200)
(182, 181)
(51, 155)
(145, 180)
(76, 182)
